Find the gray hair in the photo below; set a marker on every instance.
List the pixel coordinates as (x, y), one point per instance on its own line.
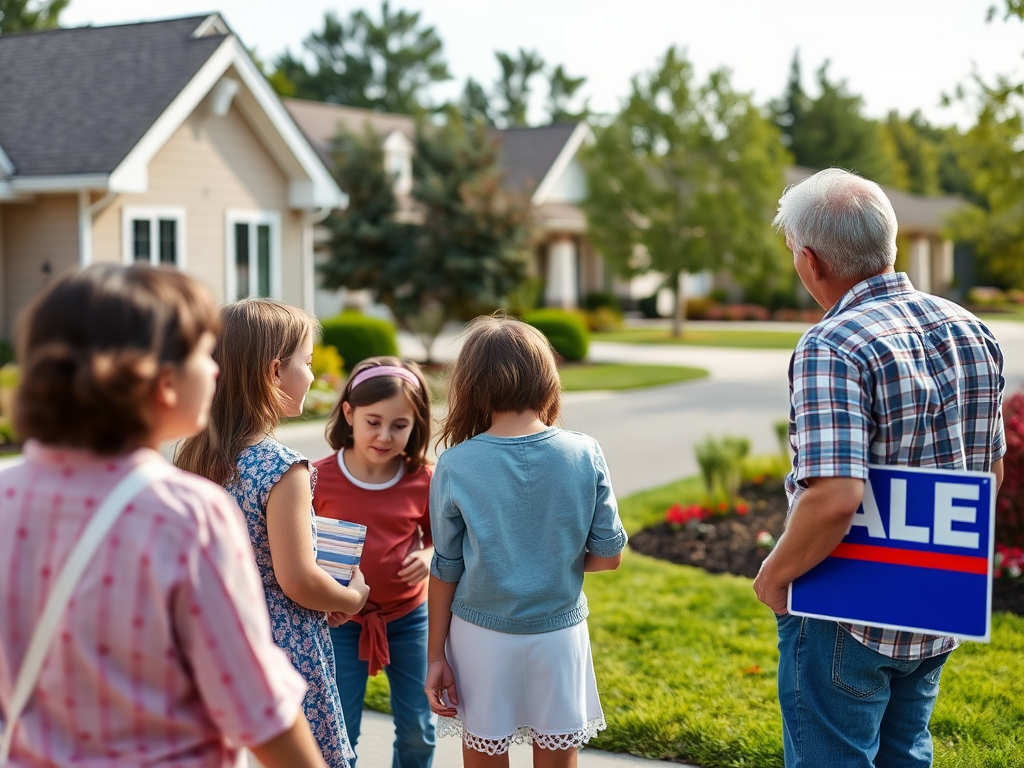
(845, 219)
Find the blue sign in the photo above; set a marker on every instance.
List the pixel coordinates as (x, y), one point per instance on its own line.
(917, 557)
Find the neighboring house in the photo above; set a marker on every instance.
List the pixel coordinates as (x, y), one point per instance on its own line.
(539, 162)
(158, 142)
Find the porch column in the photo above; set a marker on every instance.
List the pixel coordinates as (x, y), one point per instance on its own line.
(920, 264)
(561, 286)
(944, 267)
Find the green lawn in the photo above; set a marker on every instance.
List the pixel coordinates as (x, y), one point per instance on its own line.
(578, 377)
(744, 339)
(686, 664)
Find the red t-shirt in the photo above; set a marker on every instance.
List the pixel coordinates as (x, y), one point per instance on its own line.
(394, 517)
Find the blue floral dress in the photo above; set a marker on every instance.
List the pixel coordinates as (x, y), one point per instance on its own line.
(302, 633)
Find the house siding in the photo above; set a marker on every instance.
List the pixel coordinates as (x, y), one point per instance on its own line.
(35, 235)
(209, 166)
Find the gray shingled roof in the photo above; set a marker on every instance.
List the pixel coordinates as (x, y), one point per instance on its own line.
(75, 101)
(527, 154)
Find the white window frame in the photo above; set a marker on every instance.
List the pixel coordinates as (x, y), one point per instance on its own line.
(253, 219)
(130, 213)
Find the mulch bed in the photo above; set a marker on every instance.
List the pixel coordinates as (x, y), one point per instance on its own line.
(729, 544)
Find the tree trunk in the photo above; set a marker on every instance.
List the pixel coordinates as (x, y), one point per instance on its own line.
(679, 316)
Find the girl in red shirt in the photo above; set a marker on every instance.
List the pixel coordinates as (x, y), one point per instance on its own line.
(379, 477)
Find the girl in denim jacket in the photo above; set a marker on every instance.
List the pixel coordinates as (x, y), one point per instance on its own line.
(519, 510)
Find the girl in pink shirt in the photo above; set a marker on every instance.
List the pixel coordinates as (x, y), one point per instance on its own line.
(163, 657)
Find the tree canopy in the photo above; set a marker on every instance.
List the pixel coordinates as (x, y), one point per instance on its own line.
(990, 156)
(29, 15)
(385, 66)
(685, 178)
(463, 252)
(830, 130)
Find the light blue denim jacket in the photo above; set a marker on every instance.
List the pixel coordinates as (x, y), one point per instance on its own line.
(512, 518)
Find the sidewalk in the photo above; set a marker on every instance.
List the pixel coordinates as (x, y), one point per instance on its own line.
(378, 733)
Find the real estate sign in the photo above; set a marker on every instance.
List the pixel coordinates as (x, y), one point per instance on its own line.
(918, 556)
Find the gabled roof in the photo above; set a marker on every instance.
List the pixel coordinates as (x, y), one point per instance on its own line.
(532, 158)
(76, 101)
(89, 107)
(528, 154)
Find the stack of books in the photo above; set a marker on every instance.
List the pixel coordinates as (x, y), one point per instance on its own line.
(339, 546)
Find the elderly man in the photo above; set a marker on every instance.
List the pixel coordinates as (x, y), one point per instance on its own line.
(889, 376)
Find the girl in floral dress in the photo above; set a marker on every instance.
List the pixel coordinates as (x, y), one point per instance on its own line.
(264, 352)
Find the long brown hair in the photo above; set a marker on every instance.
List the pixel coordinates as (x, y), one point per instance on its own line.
(339, 431)
(248, 403)
(504, 366)
(91, 348)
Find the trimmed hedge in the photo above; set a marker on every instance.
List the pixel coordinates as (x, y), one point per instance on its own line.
(358, 337)
(567, 331)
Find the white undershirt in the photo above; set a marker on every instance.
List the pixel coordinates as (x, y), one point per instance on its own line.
(370, 486)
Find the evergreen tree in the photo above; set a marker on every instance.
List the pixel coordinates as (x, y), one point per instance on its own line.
(830, 130)
(474, 104)
(470, 252)
(562, 89)
(514, 86)
(463, 252)
(918, 150)
(29, 15)
(385, 66)
(366, 241)
(686, 178)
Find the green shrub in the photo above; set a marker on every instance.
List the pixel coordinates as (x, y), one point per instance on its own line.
(357, 337)
(327, 362)
(567, 331)
(600, 300)
(526, 297)
(603, 319)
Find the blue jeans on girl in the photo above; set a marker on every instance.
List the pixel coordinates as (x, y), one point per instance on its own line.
(846, 706)
(407, 674)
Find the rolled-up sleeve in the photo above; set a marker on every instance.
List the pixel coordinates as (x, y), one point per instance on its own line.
(446, 526)
(607, 536)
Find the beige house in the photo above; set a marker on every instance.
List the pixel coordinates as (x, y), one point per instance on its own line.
(158, 142)
(538, 162)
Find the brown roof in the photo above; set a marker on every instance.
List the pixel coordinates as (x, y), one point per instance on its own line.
(915, 214)
(526, 154)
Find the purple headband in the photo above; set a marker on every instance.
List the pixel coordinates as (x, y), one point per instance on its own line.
(384, 370)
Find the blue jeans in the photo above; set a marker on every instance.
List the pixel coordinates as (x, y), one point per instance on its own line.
(846, 706)
(407, 674)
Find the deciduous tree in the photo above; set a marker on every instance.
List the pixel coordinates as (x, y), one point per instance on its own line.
(686, 178)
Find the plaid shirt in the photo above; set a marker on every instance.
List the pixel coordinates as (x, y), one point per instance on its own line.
(893, 376)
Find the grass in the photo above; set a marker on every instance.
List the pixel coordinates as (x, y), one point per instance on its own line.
(578, 377)
(686, 664)
(738, 339)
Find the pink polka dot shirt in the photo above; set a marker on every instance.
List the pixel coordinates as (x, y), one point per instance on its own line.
(164, 656)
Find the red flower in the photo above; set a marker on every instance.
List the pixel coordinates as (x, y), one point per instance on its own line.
(742, 509)
(676, 515)
(723, 507)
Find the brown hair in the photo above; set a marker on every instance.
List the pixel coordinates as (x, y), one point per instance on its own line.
(91, 348)
(505, 366)
(339, 432)
(248, 403)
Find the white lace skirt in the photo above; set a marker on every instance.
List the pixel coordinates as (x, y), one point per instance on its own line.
(522, 688)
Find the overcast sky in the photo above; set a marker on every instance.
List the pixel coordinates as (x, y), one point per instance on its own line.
(897, 54)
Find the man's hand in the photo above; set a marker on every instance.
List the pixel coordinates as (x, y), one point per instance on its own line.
(818, 524)
(770, 592)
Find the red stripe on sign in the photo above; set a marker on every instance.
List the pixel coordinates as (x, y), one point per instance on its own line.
(912, 557)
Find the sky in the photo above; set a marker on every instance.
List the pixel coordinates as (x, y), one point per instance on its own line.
(897, 54)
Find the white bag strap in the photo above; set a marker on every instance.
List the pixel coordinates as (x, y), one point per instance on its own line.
(56, 602)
